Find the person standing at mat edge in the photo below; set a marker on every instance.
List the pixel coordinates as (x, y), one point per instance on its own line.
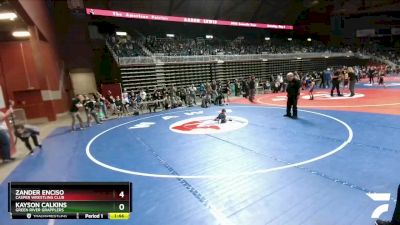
(293, 92)
(76, 105)
(4, 136)
(352, 80)
(336, 82)
(252, 88)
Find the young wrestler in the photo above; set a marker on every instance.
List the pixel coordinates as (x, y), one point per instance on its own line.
(312, 84)
(221, 118)
(24, 133)
(382, 79)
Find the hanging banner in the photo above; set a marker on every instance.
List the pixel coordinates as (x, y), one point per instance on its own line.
(142, 16)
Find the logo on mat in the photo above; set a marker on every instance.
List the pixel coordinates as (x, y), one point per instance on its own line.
(379, 197)
(207, 125)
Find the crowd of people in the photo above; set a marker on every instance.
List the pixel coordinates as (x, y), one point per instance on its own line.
(97, 107)
(184, 46)
(180, 46)
(337, 79)
(94, 107)
(127, 46)
(376, 49)
(329, 77)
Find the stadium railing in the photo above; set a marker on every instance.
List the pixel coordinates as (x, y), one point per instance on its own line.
(123, 61)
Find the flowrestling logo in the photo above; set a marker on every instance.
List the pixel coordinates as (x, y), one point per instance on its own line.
(207, 125)
(379, 197)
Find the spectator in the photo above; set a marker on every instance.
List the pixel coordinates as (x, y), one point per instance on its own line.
(327, 77)
(252, 88)
(143, 95)
(90, 108)
(280, 81)
(352, 80)
(113, 106)
(103, 106)
(74, 111)
(4, 136)
(119, 106)
(192, 91)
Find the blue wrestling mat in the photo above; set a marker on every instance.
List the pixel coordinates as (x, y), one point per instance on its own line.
(258, 168)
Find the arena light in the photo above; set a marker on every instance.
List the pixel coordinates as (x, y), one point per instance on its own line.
(326, 57)
(298, 58)
(308, 39)
(121, 33)
(209, 36)
(267, 38)
(170, 35)
(289, 39)
(8, 16)
(180, 19)
(21, 34)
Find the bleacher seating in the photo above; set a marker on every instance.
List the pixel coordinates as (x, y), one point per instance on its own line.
(181, 46)
(127, 46)
(203, 60)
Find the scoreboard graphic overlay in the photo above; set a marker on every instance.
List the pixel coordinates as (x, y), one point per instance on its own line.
(70, 200)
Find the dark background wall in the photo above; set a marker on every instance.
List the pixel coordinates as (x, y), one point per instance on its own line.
(32, 71)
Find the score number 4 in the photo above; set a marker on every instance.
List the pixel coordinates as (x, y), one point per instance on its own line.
(121, 206)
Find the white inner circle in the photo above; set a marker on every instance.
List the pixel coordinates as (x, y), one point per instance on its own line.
(327, 96)
(221, 176)
(393, 84)
(208, 125)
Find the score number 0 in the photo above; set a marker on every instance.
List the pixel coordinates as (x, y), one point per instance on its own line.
(121, 206)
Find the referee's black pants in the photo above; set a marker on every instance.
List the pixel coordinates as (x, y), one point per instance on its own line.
(335, 85)
(291, 105)
(396, 214)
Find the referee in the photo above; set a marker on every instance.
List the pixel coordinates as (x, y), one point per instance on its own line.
(293, 92)
(335, 82)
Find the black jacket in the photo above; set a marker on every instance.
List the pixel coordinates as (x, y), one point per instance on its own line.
(293, 88)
